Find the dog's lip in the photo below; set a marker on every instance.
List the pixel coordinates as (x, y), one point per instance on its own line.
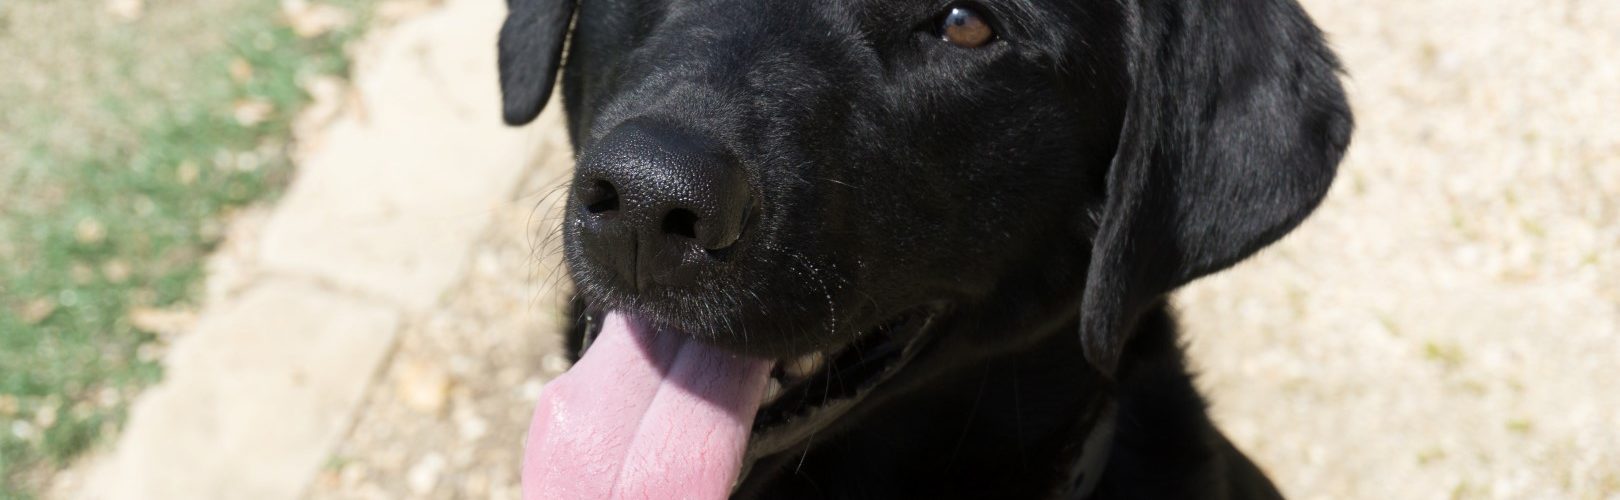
(787, 418)
(819, 387)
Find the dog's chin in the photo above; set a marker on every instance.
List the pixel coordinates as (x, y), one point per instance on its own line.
(807, 392)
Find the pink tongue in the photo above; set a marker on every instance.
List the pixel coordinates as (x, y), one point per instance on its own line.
(645, 414)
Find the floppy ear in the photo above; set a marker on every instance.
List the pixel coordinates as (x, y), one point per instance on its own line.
(1233, 130)
(531, 48)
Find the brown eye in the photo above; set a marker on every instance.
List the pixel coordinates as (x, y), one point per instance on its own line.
(965, 28)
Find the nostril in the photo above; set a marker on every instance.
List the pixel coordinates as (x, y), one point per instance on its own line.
(681, 222)
(600, 196)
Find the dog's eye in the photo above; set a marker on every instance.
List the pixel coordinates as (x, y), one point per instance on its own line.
(965, 28)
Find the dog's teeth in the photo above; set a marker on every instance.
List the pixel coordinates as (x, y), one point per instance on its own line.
(773, 390)
(803, 366)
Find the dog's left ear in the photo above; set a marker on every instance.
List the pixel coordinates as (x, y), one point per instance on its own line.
(1233, 130)
(531, 47)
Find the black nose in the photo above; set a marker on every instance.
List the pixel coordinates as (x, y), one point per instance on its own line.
(655, 203)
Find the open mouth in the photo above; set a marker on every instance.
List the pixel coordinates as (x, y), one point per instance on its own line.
(649, 410)
(806, 392)
(801, 385)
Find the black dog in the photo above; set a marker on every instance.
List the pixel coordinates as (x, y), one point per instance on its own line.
(953, 223)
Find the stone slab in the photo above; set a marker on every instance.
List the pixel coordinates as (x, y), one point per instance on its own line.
(254, 399)
(400, 187)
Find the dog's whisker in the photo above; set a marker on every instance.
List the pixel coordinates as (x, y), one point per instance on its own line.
(839, 182)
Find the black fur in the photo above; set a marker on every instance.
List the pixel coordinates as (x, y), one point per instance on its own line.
(1061, 179)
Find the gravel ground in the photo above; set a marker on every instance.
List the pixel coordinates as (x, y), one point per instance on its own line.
(1448, 323)
(447, 418)
(1443, 328)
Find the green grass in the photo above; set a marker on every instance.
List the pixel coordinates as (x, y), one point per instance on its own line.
(115, 178)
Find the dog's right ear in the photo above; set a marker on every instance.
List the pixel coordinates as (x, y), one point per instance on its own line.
(531, 48)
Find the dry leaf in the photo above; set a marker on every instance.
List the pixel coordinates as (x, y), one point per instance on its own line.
(35, 311)
(312, 20)
(186, 173)
(115, 270)
(327, 98)
(395, 10)
(46, 416)
(241, 70)
(81, 273)
(162, 321)
(89, 231)
(126, 10)
(252, 112)
(423, 386)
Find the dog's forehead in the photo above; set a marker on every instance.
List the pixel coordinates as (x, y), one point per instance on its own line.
(1040, 22)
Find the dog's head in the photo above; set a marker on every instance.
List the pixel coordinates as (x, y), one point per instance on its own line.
(790, 177)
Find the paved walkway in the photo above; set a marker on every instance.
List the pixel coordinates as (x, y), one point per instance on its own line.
(374, 230)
